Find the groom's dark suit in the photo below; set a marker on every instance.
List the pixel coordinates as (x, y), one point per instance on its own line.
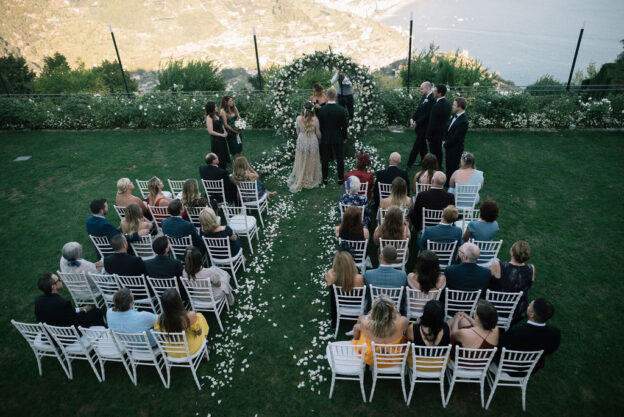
(454, 143)
(421, 118)
(333, 124)
(438, 125)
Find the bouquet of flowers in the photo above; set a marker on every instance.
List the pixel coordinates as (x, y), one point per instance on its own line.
(240, 124)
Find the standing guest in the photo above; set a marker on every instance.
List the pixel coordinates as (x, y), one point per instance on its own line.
(515, 276)
(218, 144)
(419, 122)
(535, 334)
(333, 124)
(318, 97)
(435, 198)
(157, 197)
(229, 114)
(345, 91)
(52, 309)
(176, 227)
(123, 318)
(124, 197)
(120, 262)
(362, 161)
(428, 167)
(343, 273)
(219, 279)
(393, 227)
(242, 171)
(134, 222)
(427, 275)
(174, 319)
(454, 136)
(438, 122)
(306, 172)
(353, 198)
(431, 329)
(486, 227)
(466, 174)
(398, 196)
(351, 227)
(468, 276)
(213, 171)
(211, 228)
(477, 332)
(443, 232)
(386, 176)
(191, 197)
(72, 263)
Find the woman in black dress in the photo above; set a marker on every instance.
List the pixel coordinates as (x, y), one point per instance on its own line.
(218, 144)
(431, 330)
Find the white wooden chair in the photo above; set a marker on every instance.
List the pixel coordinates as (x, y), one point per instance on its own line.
(389, 363)
(363, 189)
(465, 217)
(178, 246)
(248, 193)
(416, 301)
(359, 247)
(102, 245)
(466, 196)
(73, 347)
(193, 214)
(143, 248)
(137, 284)
(488, 251)
(396, 294)
(142, 185)
(470, 366)
(428, 367)
(215, 189)
(343, 207)
(121, 211)
(107, 285)
(430, 217)
(381, 214)
(220, 255)
(401, 248)
(80, 289)
(513, 370)
(241, 223)
(346, 363)
(505, 304)
(159, 214)
(174, 344)
(202, 297)
(106, 347)
(349, 305)
(444, 250)
(160, 285)
(457, 300)
(176, 186)
(420, 188)
(384, 190)
(140, 352)
(41, 344)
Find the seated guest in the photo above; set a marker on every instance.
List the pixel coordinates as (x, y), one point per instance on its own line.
(436, 198)
(386, 176)
(174, 318)
(52, 309)
(191, 198)
(393, 227)
(175, 226)
(345, 274)
(134, 222)
(477, 332)
(212, 229)
(219, 279)
(535, 334)
(486, 227)
(444, 232)
(383, 324)
(212, 172)
(428, 167)
(466, 174)
(398, 196)
(431, 329)
(362, 161)
(124, 197)
(515, 276)
(97, 225)
(427, 275)
(468, 276)
(163, 265)
(386, 276)
(71, 261)
(242, 171)
(352, 198)
(351, 226)
(123, 318)
(120, 262)
(156, 197)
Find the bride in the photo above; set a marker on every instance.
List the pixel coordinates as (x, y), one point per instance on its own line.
(306, 172)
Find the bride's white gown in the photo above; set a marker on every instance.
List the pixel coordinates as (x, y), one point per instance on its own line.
(306, 172)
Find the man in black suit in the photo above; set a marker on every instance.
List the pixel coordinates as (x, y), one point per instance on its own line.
(535, 334)
(52, 309)
(176, 227)
(333, 124)
(120, 262)
(386, 176)
(468, 276)
(438, 122)
(420, 122)
(453, 141)
(436, 198)
(212, 172)
(164, 266)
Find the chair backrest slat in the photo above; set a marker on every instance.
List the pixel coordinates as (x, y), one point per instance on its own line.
(396, 294)
(176, 186)
(430, 217)
(416, 301)
(457, 300)
(214, 189)
(359, 247)
(444, 250)
(384, 190)
(142, 185)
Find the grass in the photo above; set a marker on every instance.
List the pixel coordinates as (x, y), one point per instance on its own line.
(558, 191)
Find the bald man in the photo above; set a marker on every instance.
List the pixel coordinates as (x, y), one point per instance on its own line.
(436, 198)
(212, 171)
(386, 176)
(419, 122)
(468, 276)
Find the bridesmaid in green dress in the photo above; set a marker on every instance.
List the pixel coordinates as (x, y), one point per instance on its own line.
(229, 115)
(214, 125)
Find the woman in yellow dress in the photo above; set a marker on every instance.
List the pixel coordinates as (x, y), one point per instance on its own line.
(175, 318)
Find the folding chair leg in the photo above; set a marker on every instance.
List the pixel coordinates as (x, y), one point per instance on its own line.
(337, 327)
(442, 392)
(492, 382)
(411, 391)
(250, 243)
(403, 387)
(218, 318)
(482, 385)
(373, 389)
(331, 388)
(524, 398)
(260, 214)
(195, 375)
(362, 386)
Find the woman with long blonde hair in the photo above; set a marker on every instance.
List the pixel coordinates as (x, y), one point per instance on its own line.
(242, 171)
(393, 227)
(134, 221)
(306, 171)
(191, 197)
(211, 228)
(343, 273)
(156, 196)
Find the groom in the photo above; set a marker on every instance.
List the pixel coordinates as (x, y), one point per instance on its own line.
(333, 121)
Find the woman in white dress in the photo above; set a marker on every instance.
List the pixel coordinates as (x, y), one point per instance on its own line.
(306, 172)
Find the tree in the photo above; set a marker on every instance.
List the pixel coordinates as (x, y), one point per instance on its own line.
(110, 75)
(54, 63)
(192, 76)
(546, 85)
(16, 74)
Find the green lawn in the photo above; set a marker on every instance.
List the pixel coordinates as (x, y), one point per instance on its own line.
(558, 191)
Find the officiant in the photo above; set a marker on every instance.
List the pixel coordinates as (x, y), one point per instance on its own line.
(345, 91)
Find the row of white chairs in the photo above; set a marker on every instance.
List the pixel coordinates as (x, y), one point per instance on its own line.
(433, 365)
(466, 196)
(98, 345)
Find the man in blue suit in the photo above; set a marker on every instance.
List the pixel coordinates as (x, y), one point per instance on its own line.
(385, 276)
(444, 232)
(176, 227)
(468, 276)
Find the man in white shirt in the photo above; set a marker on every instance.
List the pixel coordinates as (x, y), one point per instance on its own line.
(345, 91)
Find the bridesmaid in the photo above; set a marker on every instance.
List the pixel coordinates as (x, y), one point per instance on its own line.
(217, 134)
(318, 96)
(229, 115)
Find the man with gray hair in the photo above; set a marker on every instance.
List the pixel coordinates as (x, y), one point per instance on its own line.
(468, 276)
(386, 176)
(419, 122)
(436, 198)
